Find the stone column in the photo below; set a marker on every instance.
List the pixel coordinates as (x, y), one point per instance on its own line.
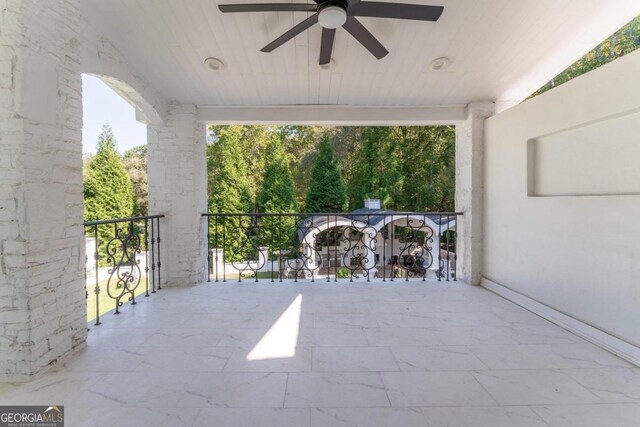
(42, 294)
(178, 189)
(469, 189)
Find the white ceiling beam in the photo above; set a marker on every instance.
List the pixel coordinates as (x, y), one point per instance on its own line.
(350, 115)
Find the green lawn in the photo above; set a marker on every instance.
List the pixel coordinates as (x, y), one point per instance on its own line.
(106, 303)
(248, 275)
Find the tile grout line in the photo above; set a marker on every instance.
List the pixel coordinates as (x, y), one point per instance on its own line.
(286, 389)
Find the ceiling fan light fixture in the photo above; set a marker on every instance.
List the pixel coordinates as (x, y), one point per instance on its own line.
(332, 17)
(214, 64)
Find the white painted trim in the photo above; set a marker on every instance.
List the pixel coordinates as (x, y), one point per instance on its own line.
(347, 115)
(623, 349)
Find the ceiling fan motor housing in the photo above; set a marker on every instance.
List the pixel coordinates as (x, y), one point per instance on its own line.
(332, 13)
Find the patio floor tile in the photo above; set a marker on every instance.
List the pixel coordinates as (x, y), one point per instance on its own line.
(357, 354)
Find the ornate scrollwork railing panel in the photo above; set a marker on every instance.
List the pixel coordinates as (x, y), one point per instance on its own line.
(126, 260)
(329, 246)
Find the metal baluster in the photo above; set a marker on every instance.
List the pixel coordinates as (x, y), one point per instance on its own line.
(368, 249)
(239, 228)
(313, 253)
(209, 253)
(217, 248)
(271, 248)
(86, 291)
(326, 235)
(335, 240)
(384, 248)
(117, 299)
(455, 254)
(159, 257)
(447, 238)
(96, 257)
(146, 257)
(391, 233)
(296, 270)
(153, 256)
(439, 270)
(224, 247)
(256, 218)
(425, 246)
(131, 238)
(281, 267)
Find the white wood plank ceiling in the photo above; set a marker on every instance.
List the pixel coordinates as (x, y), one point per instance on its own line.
(499, 49)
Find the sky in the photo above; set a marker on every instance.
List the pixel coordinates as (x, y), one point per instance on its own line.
(101, 105)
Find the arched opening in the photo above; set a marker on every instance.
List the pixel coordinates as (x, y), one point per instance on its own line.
(114, 141)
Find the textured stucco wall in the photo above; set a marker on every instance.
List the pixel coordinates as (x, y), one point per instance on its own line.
(575, 251)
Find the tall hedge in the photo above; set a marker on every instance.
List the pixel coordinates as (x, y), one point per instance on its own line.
(327, 191)
(229, 192)
(277, 196)
(277, 193)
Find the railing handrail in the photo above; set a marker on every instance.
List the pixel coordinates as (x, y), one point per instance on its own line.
(131, 248)
(129, 219)
(346, 214)
(393, 242)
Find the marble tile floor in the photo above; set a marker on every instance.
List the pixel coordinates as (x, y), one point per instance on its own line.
(324, 354)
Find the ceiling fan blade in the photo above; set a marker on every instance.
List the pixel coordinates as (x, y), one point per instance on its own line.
(360, 33)
(376, 9)
(268, 7)
(326, 46)
(313, 19)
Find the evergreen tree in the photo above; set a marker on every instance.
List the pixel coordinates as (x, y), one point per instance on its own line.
(135, 163)
(300, 144)
(326, 191)
(277, 193)
(229, 192)
(108, 192)
(277, 196)
(228, 172)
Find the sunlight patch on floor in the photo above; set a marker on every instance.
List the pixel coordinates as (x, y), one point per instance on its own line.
(281, 339)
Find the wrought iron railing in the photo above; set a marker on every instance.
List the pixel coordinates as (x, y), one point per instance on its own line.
(126, 261)
(330, 246)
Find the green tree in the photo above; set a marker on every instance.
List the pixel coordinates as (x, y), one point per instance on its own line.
(229, 192)
(228, 175)
(327, 192)
(301, 145)
(108, 192)
(426, 161)
(277, 196)
(277, 193)
(135, 163)
(375, 172)
(622, 42)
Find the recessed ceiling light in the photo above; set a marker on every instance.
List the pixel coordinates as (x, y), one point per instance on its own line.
(214, 64)
(329, 66)
(440, 63)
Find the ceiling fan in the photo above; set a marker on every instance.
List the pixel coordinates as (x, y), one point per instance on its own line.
(333, 14)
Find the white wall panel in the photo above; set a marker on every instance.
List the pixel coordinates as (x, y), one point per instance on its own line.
(577, 254)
